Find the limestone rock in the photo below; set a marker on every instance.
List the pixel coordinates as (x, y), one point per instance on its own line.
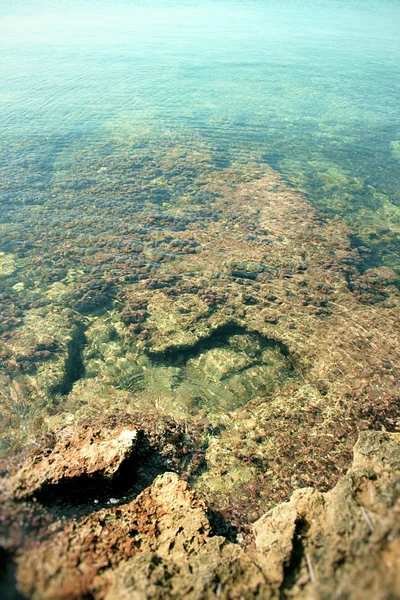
(340, 544)
(161, 541)
(344, 543)
(219, 570)
(96, 452)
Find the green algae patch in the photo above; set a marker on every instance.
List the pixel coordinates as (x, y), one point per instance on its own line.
(7, 264)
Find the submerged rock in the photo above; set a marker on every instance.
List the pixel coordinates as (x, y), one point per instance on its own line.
(7, 264)
(255, 317)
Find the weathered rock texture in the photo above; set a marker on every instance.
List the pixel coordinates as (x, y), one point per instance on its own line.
(262, 337)
(99, 453)
(231, 300)
(122, 453)
(340, 544)
(165, 527)
(344, 543)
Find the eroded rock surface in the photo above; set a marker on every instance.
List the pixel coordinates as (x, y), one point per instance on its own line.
(90, 459)
(99, 453)
(165, 527)
(233, 300)
(343, 543)
(255, 337)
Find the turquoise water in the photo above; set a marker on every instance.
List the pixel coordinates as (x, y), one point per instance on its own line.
(311, 88)
(194, 198)
(117, 120)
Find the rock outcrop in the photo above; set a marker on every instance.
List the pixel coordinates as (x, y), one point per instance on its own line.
(253, 338)
(161, 541)
(341, 544)
(344, 543)
(96, 453)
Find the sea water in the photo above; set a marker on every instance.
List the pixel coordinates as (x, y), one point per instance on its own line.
(311, 86)
(108, 107)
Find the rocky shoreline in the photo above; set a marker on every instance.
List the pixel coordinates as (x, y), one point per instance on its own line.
(163, 543)
(195, 341)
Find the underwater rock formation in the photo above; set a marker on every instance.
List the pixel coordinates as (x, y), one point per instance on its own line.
(247, 339)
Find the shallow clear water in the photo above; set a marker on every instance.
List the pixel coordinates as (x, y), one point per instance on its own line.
(311, 87)
(109, 110)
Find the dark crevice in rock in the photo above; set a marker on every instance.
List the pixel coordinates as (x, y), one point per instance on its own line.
(74, 365)
(292, 568)
(88, 493)
(8, 590)
(221, 526)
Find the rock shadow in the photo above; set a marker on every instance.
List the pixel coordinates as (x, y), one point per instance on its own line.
(88, 493)
(219, 338)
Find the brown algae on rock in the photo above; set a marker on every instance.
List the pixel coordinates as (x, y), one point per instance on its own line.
(239, 338)
(164, 544)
